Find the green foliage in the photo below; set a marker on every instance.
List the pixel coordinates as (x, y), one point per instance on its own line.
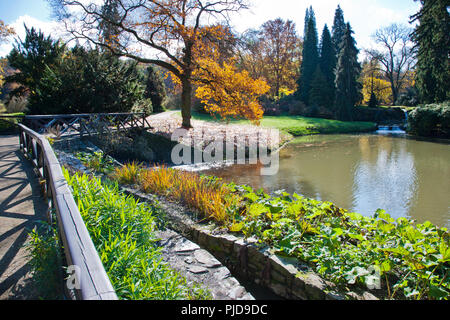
(122, 230)
(373, 101)
(346, 248)
(338, 30)
(348, 70)
(433, 50)
(88, 81)
(409, 261)
(321, 93)
(59, 81)
(310, 56)
(45, 261)
(32, 57)
(155, 89)
(408, 98)
(327, 63)
(97, 161)
(431, 120)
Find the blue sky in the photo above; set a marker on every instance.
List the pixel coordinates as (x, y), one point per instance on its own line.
(365, 16)
(11, 10)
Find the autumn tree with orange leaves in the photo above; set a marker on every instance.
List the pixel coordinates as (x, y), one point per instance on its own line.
(5, 32)
(182, 36)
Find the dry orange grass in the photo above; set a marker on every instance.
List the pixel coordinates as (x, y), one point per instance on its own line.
(210, 198)
(128, 174)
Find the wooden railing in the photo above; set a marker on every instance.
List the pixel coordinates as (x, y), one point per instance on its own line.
(85, 124)
(89, 280)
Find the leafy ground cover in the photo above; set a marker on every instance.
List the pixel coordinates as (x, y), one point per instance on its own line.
(410, 261)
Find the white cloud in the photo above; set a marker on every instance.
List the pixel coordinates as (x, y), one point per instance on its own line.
(49, 28)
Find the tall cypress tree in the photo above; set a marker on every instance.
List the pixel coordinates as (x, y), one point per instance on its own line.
(348, 70)
(327, 64)
(433, 50)
(338, 29)
(310, 57)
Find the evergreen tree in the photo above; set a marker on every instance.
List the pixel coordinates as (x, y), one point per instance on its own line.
(89, 81)
(310, 57)
(31, 57)
(348, 70)
(319, 95)
(433, 50)
(373, 101)
(338, 29)
(327, 63)
(109, 32)
(155, 89)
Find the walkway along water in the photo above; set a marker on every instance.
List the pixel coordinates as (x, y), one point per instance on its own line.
(21, 207)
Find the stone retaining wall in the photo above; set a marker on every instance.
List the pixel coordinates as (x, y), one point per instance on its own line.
(286, 277)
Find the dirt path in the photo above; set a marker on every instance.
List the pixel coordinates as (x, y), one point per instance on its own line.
(21, 206)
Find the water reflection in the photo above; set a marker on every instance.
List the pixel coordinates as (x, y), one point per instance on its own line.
(362, 173)
(384, 178)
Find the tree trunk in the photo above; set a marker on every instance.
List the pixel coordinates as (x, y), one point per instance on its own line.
(186, 102)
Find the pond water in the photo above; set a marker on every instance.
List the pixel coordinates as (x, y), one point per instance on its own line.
(361, 173)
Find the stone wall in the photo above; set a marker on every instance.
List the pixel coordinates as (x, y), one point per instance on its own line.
(286, 277)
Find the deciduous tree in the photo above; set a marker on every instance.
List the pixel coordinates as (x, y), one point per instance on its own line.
(272, 52)
(167, 33)
(5, 32)
(396, 56)
(228, 92)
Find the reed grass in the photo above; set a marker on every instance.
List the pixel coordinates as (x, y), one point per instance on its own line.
(209, 197)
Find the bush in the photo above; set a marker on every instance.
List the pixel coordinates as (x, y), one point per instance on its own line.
(432, 120)
(409, 98)
(379, 115)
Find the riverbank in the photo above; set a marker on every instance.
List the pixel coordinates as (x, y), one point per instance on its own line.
(344, 248)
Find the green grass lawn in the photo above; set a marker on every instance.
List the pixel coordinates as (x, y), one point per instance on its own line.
(300, 126)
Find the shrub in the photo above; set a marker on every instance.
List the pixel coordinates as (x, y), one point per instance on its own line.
(431, 120)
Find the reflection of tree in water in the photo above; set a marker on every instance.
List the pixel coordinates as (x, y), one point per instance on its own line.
(362, 173)
(385, 179)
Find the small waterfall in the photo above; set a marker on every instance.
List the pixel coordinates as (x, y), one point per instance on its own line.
(391, 129)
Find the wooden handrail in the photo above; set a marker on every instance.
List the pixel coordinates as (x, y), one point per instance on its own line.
(91, 281)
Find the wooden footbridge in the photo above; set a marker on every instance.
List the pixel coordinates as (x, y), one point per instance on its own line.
(26, 197)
